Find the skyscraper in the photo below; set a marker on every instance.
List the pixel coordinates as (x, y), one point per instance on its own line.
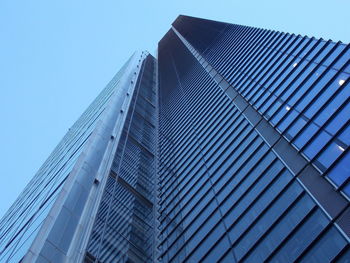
(231, 146)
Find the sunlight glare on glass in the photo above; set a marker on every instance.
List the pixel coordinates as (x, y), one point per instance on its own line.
(341, 82)
(341, 148)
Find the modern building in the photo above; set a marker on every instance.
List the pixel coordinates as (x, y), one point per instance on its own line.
(231, 146)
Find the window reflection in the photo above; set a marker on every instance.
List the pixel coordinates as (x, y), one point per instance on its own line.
(328, 157)
(341, 82)
(341, 171)
(341, 148)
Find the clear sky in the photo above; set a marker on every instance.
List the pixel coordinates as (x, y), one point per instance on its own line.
(57, 55)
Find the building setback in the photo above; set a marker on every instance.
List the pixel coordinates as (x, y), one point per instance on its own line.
(231, 146)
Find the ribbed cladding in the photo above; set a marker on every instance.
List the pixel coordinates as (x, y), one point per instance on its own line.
(20, 225)
(124, 228)
(199, 32)
(300, 85)
(224, 194)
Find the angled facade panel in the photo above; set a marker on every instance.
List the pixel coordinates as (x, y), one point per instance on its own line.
(250, 152)
(124, 227)
(46, 219)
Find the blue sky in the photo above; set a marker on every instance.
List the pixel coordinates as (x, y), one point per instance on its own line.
(56, 56)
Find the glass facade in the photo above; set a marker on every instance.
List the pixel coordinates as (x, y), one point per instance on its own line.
(124, 227)
(23, 220)
(247, 119)
(231, 146)
(300, 85)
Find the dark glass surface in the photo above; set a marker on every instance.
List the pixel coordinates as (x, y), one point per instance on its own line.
(243, 192)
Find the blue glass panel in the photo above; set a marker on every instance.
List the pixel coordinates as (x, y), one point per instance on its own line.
(325, 249)
(274, 107)
(306, 233)
(341, 171)
(305, 136)
(267, 220)
(292, 114)
(339, 120)
(325, 52)
(207, 243)
(330, 154)
(346, 189)
(326, 94)
(295, 128)
(280, 114)
(257, 91)
(333, 106)
(310, 87)
(341, 61)
(345, 136)
(234, 189)
(203, 229)
(334, 55)
(317, 49)
(259, 101)
(218, 250)
(281, 230)
(294, 82)
(317, 144)
(241, 223)
(301, 45)
(311, 45)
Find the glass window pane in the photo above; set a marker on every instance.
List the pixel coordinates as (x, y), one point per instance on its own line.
(297, 243)
(326, 248)
(305, 136)
(330, 154)
(341, 171)
(317, 144)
